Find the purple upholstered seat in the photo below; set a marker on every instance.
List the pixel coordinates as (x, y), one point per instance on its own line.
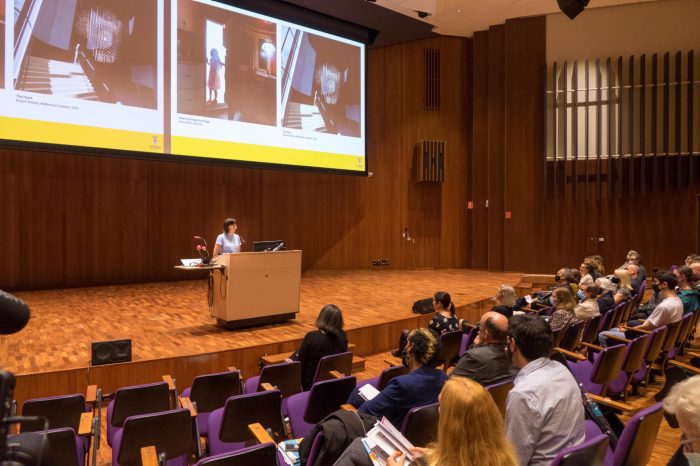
(589, 453)
(65, 448)
(286, 377)
(169, 431)
(632, 362)
(210, 392)
(341, 362)
(420, 424)
(307, 408)
(499, 392)
(467, 340)
(265, 454)
(384, 378)
(637, 439)
(228, 426)
(137, 399)
(606, 366)
(657, 338)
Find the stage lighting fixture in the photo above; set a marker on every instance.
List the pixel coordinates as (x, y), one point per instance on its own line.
(572, 8)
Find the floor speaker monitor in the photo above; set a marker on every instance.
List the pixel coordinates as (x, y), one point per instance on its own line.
(109, 352)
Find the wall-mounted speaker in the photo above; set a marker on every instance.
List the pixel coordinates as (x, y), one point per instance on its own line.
(572, 8)
(109, 352)
(429, 161)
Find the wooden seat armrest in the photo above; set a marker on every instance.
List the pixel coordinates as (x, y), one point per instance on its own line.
(616, 338)
(91, 394)
(149, 456)
(260, 433)
(186, 403)
(692, 354)
(635, 329)
(267, 386)
(85, 426)
(171, 383)
(336, 374)
(348, 407)
(569, 354)
(392, 361)
(464, 323)
(529, 309)
(232, 369)
(591, 346)
(624, 407)
(684, 366)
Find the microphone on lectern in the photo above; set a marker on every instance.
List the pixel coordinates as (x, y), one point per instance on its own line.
(203, 250)
(14, 314)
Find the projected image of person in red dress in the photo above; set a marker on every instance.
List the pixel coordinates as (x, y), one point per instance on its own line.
(214, 81)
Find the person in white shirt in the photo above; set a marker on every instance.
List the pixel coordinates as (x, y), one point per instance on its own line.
(228, 241)
(668, 311)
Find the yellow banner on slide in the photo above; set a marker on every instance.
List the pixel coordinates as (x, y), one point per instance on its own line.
(76, 135)
(265, 154)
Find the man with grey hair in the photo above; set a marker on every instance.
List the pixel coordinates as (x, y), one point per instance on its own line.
(634, 278)
(486, 362)
(684, 402)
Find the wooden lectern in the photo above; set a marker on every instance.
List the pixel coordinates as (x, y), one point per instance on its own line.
(255, 288)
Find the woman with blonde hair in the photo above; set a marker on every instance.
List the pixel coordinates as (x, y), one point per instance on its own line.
(505, 300)
(470, 430)
(622, 279)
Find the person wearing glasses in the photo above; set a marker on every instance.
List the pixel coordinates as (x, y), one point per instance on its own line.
(684, 402)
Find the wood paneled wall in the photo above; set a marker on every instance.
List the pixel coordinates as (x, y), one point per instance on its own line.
(545, 233)
(77, 220)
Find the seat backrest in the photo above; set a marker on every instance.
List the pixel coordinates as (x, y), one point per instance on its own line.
(638, 437)
(341, 362)
(683, 333)
(658, 337)
(607, 364)
(61, 411)
(468, 339)
(169, 431)
(327, 396)
(557, 335)
(420, 425)
(671, 335)
(62, 448)
(618, 311)
(285, 376)
(634, 355)
(449, 347)
(211, 391)
(590, 332)
(572, 335)
(139, 399)
(590, 452)
(264, 408)
(604, 322)
(389, 373)
(260, 455)
(499, 393)
(315, 449)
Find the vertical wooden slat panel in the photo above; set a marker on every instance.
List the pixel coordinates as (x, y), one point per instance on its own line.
(691, 105)
(599, 128)
(565, 94)
(667, 98)
(574, 125)
(630, 123)
(496, 148)
(555, 128)
(619, 128)
(546, 131)
(677, 127)
(654, 120)
(608, 67)
(642, 120)
(585, 127)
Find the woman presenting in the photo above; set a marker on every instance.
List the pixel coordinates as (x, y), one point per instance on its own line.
(228, 241)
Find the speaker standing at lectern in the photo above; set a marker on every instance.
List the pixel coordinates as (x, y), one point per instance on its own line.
(228, 241)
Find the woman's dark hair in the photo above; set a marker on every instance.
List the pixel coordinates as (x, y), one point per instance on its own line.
(589, 268)
(330, 320)
(532, 334)
(443, 297)
(227, 223)
(423, 344)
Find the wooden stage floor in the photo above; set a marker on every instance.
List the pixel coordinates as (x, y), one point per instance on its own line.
(171, 320)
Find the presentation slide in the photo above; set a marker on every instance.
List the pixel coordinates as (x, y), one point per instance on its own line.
(215, 83)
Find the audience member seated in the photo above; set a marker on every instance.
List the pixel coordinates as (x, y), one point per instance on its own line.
(606, 295)
(688, 296)
(575, 280)
(597, 262)
(587, 277)
(327, 340)
(544, 413)
(443, 321)
(563, 313)
(645, 310)
(684, 402)
(562, 279)
(505, 300)
(419, 387)
(622, 294)
(621, 278)
(695, 267)
(669, 310)
(589, 306)
(486, 361)
(634, 258)
(464, 405)
(633, 270)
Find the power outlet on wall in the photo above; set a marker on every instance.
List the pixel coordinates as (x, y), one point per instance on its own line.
(385, 262)
(376, 263)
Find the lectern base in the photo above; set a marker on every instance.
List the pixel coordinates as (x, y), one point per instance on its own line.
(255, 321)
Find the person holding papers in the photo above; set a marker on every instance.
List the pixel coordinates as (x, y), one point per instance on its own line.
(228, 241)
(419, 387)
(470, 431)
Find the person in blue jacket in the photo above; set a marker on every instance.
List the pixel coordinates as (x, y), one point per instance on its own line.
(420, 387)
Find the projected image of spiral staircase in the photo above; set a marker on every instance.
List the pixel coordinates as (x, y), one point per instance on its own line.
(306, 117)
(59, 78)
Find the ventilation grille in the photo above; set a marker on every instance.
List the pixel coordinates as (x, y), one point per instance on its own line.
(432, 79)
(429, 161)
